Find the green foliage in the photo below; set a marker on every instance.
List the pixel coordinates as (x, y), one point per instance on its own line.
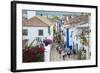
(55, 18)
(79, 54)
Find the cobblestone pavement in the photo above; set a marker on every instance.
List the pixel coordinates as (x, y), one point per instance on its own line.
(55, 56)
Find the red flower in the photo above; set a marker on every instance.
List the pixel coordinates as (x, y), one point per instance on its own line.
(33, 55)
(28, 55)
(31, 58)
(40, 50)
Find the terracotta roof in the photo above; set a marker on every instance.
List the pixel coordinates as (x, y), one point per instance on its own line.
(78, 19)
(47, 20)
(37, 21)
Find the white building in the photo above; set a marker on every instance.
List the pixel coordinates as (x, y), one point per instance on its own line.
(37, 27)
(76, 26)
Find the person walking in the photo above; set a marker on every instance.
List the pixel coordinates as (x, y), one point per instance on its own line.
(68, 53)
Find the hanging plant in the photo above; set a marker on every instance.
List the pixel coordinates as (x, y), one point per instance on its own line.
(47, 42)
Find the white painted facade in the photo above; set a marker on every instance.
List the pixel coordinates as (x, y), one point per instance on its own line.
(77, 41)
(75, 31)
(47, 53)
(33, 33)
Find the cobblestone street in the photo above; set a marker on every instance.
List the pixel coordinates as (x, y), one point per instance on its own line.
(55, 56)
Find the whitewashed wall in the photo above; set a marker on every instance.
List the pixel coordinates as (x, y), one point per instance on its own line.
(75, 31)
(33, 33)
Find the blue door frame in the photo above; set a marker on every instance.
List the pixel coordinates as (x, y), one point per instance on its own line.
(67, 38)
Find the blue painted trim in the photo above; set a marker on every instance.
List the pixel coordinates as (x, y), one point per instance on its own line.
(49, 29)
(67, 38)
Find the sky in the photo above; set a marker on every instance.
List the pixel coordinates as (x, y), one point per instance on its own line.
(31, 13)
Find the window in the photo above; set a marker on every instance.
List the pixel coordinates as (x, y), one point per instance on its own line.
(40, 32)
(25, 32)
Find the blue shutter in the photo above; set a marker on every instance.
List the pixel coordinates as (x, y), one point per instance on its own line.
(49, 29)
(67, 38)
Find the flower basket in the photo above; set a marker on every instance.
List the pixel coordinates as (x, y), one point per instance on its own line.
(33, 55)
